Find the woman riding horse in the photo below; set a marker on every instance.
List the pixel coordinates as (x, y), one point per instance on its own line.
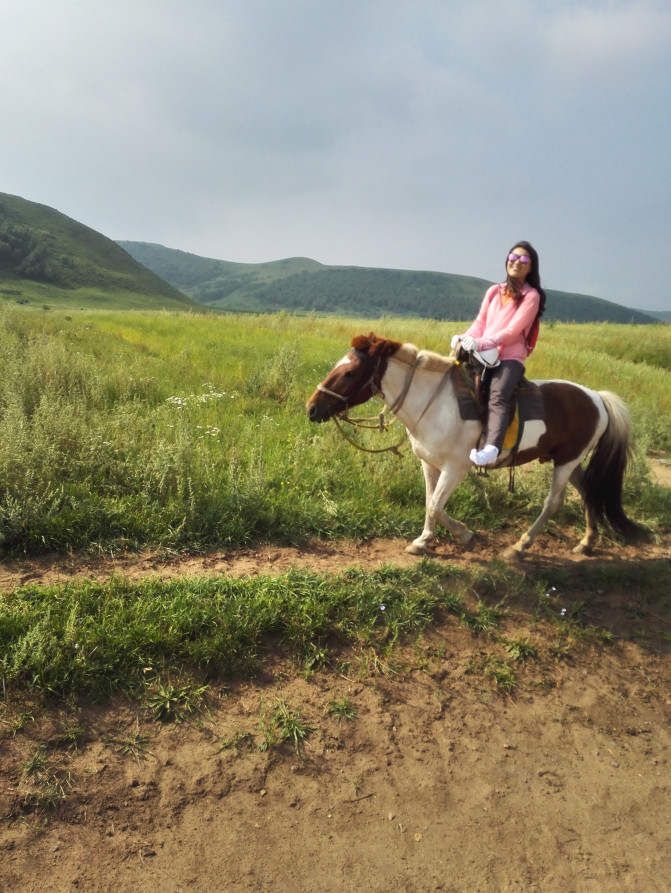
(424, 390)
(507, 321)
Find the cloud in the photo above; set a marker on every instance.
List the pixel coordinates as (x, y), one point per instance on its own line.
(607, 39)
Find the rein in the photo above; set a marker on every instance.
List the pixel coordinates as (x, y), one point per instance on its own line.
(394, 448)
(400, 400)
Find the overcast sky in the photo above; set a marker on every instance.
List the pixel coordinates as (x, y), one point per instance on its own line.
(423, 135)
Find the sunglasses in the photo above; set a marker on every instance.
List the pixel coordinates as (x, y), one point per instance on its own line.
(522, 258)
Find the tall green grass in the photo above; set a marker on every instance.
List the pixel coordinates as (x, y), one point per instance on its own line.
(95, 638)
(124, 429)
(85, 638)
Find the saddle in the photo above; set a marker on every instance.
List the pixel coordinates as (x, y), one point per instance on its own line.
(473, 397)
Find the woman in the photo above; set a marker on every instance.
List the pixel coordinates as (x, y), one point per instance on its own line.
(508, 321)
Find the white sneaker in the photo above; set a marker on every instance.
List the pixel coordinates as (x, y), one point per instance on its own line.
(486, 456)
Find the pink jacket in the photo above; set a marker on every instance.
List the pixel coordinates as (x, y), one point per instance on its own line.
(505, 326)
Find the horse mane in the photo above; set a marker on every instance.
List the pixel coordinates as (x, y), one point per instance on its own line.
(405, 353)
(435, 362)
(374, 346)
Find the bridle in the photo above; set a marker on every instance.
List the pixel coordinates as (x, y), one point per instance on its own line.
(373, 381)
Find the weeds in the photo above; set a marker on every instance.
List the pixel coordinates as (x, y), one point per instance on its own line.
(18, 723)
(484, 620)
(521, 650)
(70, 734)
(342, 709)
(36, 762)
(315, 658)
(224, 626)
(129, 429)
(50, 789)
(283, 723)
(175, 703)
(136, 744)
(502, 673)
(237, 742)
(44, 787)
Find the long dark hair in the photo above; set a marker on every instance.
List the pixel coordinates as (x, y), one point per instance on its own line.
(533, 276)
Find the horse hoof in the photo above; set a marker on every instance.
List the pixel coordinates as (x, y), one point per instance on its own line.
(512, 554)
(582, 549)
(418, 549)
(465, 539)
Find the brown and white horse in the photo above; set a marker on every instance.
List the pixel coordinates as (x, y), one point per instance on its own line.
(421, 388)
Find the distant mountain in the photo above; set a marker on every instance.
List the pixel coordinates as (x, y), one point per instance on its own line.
(664, 315)
(300, 284)
(45, 255)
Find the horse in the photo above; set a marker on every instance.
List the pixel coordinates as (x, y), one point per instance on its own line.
(422, 389)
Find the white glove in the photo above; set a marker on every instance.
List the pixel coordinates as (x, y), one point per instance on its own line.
(468, 343)
(455, 340)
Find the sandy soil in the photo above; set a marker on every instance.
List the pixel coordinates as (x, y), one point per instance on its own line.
(438, 783)
(661, 471)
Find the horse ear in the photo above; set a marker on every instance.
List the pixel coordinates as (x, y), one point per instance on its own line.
(363, 342)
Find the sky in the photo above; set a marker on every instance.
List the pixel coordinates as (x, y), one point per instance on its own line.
(415, 135)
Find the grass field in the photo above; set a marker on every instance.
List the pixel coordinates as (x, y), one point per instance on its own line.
(126, 429)
(97, 638)
(42, 297)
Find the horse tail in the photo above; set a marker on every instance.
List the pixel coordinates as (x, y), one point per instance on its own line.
(604, 475)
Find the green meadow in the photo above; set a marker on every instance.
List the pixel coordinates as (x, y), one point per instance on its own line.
(125, 429)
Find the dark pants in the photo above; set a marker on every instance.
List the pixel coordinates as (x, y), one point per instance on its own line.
(502, 383)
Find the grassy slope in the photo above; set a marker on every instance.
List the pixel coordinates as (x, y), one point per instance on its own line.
(84, 267)
(192, 273)
(127, 429)
(301, 285)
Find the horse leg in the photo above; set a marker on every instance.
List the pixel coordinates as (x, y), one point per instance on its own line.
(584, 547)
(560, 478)
(439, 487)
(422, 544)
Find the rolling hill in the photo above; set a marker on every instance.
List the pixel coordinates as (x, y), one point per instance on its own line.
(47, 256)
(302, 285)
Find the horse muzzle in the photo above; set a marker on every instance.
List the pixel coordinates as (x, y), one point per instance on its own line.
(319, 410)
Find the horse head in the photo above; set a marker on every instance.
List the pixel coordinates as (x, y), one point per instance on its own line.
(354, 379)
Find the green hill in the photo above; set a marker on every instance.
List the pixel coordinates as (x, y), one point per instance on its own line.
(46, 256)
(301, 285)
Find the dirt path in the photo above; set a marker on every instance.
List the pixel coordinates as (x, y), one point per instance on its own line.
(661, 471)
(320, 556)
